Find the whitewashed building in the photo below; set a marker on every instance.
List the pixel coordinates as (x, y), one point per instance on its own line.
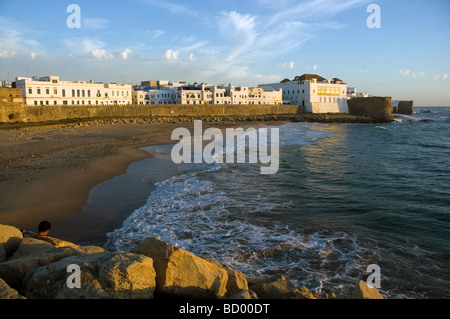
(49, 90)
(314, 93)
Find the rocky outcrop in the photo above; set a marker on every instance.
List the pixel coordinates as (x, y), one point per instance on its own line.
(278, 287)
(32, 254)
(10, 238)
(6, 292)
(363, 291)
(103, 276)
(181, 274)
(35, 269)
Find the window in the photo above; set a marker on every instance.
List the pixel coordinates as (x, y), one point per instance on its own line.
(30, 91)
(89, 93)
(73, 93)
(46, 103)
(55, 103)
(78, 93)
(63, 93)
(55, 91)
(83, 93)
(35, 102)
(47, 91)
(38, 91)
(64, 102)
(54, 81)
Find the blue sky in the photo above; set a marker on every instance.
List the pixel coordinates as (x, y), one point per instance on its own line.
(246, 42)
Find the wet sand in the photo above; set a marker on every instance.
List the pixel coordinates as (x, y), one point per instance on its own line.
(47, 172)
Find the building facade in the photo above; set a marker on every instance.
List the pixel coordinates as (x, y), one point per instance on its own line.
(204, 94)
(314, 93)
(50, 90)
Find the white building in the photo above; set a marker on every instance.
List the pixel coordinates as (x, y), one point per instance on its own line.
(204, 94)
(314, 93)
(352, 93)
(139, 97)
(49, 90)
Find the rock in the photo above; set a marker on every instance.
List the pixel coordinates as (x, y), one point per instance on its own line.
(58, 242)
(244, 294)
(181, 274)
(32, 254)
(10, 239)
(363, 291)
(236, 280)
(103, 276)
(6, 292)
(278, 287)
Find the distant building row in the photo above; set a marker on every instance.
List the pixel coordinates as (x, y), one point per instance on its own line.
(50, 90)
(313, 92)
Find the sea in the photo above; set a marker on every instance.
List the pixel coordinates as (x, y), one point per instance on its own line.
(346, 196)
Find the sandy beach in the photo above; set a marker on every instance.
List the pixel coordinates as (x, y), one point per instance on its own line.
(47, 171)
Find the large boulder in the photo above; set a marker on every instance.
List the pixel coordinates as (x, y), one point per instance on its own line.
(102, 276)
(244, 294)
(32, 254)
(236, 280)
(6, 292)
(181, 274)
(10, 238)
(278, 287)
(363, 291)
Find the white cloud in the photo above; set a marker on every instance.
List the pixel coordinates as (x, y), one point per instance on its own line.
(95, 23)
(441, 77)
(192, 57)
(286, 65)
(101, 54)
(124, 54)
(33, 55)
(287, 10)
(174, 8)
(239, 30)
(405, 72)
(7, 53)
(418, 75)
(157, 33)
(315, 67)
(171, 55)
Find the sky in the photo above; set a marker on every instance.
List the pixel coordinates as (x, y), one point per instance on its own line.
(244, 43)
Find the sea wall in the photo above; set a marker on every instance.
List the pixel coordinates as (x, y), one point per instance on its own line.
(12, 107)
(379, 108)
(405, 107)
(44, 113)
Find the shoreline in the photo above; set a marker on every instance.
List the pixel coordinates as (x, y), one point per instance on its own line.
(48, 171)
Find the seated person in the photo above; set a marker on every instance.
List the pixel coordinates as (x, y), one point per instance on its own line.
(44, 228)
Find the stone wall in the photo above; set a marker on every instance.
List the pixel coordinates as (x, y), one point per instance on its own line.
(405, 107)
(12, 106)
(379, 108)
(61, 112)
